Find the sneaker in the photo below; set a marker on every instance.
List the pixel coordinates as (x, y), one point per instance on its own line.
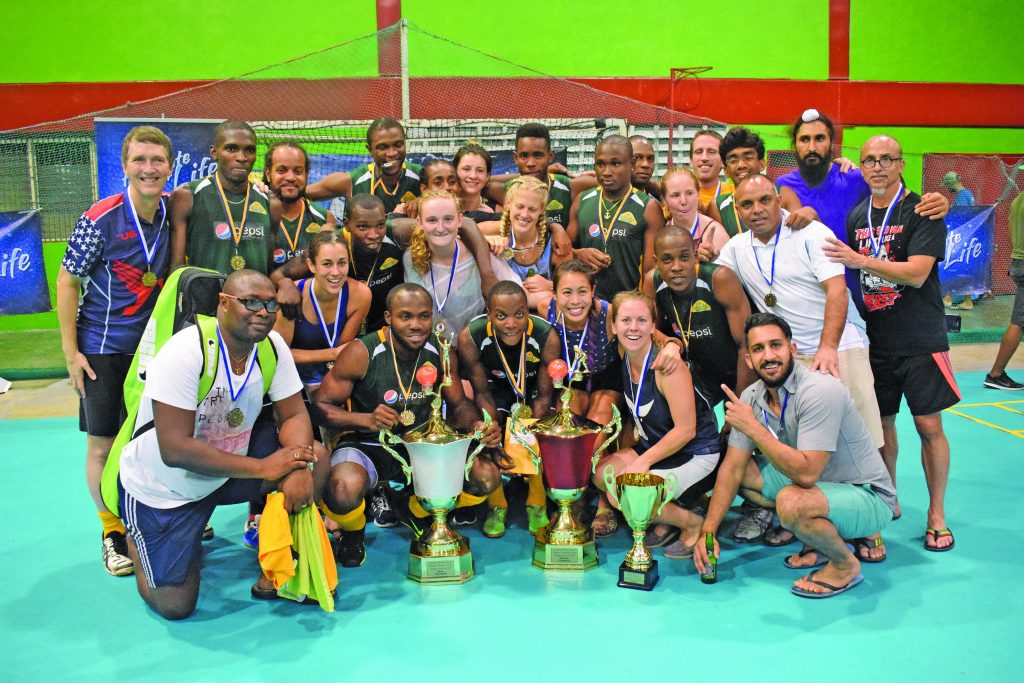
(494, 524)
(418, 525)
(1003, 382)
(115, 555)
(351, 551)
(207, 532)
(381, 510)
(466, 516)
(755, 522)
(678, 550)
(537, 516)
(251, 532)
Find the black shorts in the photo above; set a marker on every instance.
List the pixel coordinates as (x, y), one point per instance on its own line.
(926, 380)
(102, 410)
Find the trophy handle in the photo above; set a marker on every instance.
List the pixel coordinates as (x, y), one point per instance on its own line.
(609, 482)
(517, 428)
(386, 436)
(615, 426)
(479, 444)
(668, 490)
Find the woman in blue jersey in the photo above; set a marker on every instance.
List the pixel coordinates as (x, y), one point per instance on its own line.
(673, 425)
(522, 237)
(333, 306)
(582, 321)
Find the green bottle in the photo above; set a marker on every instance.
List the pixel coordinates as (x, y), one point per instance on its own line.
(710, 573)
(530, 273)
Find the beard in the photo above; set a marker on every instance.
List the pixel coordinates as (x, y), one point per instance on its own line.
(787, 370)
(815, 174)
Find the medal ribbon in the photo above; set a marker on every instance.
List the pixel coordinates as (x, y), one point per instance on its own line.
(877, 246)
(718, 189)
(782, 416)
(689, 319)
(298, 227)
(398, 375)
(518, 383)
(775, 247)
(606, 233)
(374, 183)
(696, 224)
(229, 373)
(640, 385)
(236, 233)
(342, 303)
(451, 278)
(573, 363)
(147, 253)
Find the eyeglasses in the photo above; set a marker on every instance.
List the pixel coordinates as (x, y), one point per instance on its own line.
(255, 305)
(884, 162)
(748, 157)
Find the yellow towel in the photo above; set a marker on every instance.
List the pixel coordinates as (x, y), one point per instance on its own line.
(304, 566)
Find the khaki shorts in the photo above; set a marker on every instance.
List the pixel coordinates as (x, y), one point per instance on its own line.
(855, 374)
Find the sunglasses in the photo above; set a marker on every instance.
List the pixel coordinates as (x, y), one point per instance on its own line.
(255, 305)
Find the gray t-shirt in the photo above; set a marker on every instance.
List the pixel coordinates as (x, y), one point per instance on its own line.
(820, 416)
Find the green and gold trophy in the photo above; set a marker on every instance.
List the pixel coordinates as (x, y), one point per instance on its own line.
(567, 451)
(641, 496)
(437, 466)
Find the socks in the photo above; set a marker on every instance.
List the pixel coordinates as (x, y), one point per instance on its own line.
(350, 521)
(535, 492)
(466, 500)
(497, 499)
(110, 522)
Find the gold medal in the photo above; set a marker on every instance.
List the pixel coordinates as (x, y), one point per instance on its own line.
(235, 417)
(148, 278)
(770, 300)
(636, 432)
(407, 417)
(508, 254)
(237, 261)
(521, 411)
(330, 365)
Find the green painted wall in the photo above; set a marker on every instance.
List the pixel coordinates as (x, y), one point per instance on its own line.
(969, 41)
(955, 40)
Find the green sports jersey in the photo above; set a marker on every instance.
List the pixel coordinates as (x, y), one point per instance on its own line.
(700, 321)
(294, 236)
(624, 224)
(730, 219)
(381, 271)
(210, 242)
(380, 384)
(498, 380)
(366, 180)
(559, 199)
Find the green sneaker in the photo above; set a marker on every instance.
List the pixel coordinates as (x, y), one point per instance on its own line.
(494, 525)
(538, 517)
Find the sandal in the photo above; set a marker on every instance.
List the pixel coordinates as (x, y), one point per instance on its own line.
(936, 534)
(655, 539)
(776, 537)
(868, 544)
(605, 522)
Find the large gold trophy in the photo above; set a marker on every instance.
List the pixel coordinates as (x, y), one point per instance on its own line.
(437, 466)
(568, 456)
(641, 496)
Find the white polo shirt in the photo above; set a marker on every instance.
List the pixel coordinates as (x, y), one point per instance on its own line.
(800, 268)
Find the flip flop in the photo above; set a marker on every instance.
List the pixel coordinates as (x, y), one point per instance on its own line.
(869, 543)
(774, 533)
(604, 523)
(937, 534)
(832, 590)
(822, 558)
(655, 540)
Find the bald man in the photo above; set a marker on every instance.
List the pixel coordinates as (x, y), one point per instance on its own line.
(191, 452)
(897, 254)
(612, 226)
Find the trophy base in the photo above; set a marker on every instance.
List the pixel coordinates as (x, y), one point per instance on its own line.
(441, 569)
(551, 557)
(641, 580)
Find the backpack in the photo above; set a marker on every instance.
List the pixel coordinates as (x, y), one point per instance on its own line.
(189, 296)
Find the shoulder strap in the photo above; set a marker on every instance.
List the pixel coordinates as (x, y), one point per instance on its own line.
(266, 356)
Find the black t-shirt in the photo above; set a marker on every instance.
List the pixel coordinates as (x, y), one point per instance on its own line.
(902, 320)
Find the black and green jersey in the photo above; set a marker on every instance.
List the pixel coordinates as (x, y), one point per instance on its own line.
(616, 228)
(380, 384)
(559, 199)
(381, 271)
(730, 218)
(700, 321)
(210, 242)
(294, 236)
(366, 179)
(491, 350)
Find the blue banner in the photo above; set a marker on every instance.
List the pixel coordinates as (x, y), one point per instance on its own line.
(190, 139)
(967, 267)
(22, 271)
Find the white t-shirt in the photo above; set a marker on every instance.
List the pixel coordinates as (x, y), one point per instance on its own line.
(800, 268)
(172, 377)
(466, 301)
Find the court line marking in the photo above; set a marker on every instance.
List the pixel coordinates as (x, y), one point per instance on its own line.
(993, 403)
(1019, 433)
(1007, 408)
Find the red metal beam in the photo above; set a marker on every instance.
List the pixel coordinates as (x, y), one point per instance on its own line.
(389, 56)
(839, 39)
(728, 100)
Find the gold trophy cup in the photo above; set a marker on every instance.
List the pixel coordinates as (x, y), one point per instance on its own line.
(641, 496)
